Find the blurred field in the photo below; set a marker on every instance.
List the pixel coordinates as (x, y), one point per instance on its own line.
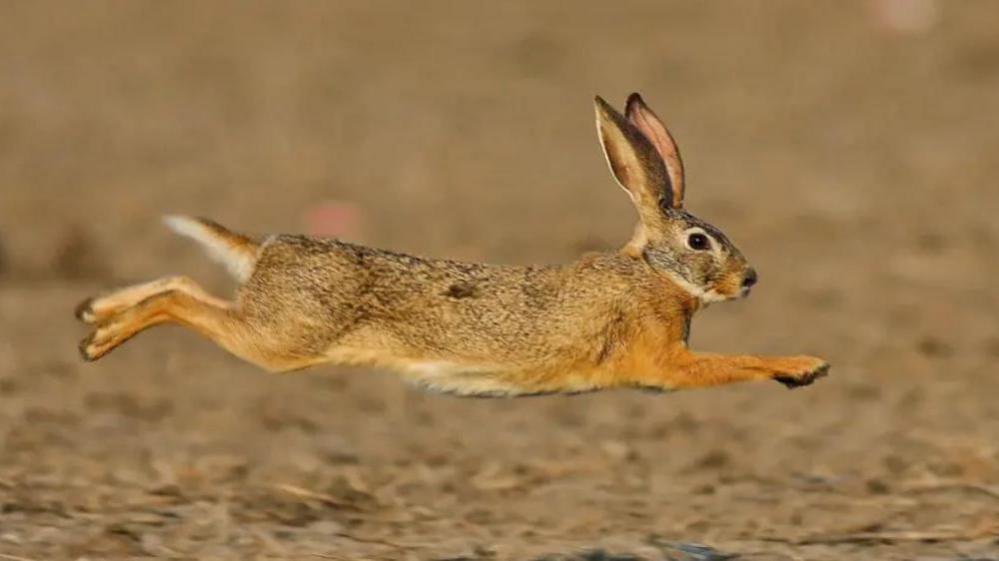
(855, 166)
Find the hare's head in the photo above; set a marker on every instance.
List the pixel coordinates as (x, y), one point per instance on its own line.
(646, 162)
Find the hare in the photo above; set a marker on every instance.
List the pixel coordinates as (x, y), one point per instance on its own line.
(608, 320)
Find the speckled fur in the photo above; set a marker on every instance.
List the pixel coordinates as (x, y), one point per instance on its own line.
(616, 319)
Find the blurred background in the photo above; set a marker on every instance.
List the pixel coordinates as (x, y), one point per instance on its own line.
(850, 150)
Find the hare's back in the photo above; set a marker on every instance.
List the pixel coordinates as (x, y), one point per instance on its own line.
(354, 295)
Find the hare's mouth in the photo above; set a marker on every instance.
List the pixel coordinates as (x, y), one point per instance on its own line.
(712, 296)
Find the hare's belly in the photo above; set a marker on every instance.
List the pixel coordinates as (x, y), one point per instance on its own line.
(469, 378)
(490, 380)
(461, 378)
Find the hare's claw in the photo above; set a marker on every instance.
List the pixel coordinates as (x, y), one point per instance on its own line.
(96, 345)
(86, 348)
(85, 311)
(102, 340)
(97, 310)
(796, 381)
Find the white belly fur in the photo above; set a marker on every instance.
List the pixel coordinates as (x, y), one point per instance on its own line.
(460, 379)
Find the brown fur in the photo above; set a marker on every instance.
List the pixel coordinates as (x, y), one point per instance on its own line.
(608, 320)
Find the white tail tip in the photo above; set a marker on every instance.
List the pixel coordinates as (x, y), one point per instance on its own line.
(237, 252)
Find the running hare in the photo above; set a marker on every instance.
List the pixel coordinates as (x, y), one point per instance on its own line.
(609, 320)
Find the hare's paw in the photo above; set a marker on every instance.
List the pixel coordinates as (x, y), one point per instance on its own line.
(84, 311)
(95, 345)
(88, 350)
(802, 372)
(95, 310)
(103, 339)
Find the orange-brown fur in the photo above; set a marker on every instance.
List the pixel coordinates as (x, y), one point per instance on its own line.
(608, 320)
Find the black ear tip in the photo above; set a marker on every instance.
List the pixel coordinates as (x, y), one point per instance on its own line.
(635, 98)
(603, 107)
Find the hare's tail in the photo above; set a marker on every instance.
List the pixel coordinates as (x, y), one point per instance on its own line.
(237, 252)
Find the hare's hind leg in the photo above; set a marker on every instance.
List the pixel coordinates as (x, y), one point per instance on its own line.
(123, 314)
(96, 310)
(220, 321)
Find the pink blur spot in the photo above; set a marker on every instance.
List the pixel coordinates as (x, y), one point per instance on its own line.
(906, 17)
(333, 219)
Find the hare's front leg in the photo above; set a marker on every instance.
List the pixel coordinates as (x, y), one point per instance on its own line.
(691, 370)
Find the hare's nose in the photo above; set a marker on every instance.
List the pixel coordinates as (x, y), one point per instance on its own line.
(750, 278)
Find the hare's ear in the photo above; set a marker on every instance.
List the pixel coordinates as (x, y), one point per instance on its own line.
(652, 128)
(634, 162)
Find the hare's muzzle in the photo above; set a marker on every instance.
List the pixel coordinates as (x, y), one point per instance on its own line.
(749, 279)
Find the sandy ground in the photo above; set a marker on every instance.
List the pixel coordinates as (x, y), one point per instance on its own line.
(854, 165)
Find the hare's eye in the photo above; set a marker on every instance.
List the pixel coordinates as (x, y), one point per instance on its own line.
(698, 241)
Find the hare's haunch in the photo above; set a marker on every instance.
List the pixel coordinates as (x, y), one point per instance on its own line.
(608, 320)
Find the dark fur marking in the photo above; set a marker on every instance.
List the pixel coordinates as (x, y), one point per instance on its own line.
(462, 290)
(605, 350)
(652, 389)
(613, 333)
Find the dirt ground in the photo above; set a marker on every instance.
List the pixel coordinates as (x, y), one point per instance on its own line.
(853, 160)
